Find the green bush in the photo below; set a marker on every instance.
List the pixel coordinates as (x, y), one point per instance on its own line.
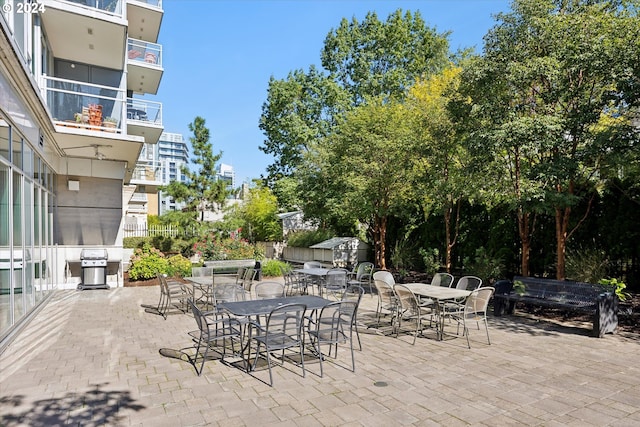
(178, 266)
(271, 267)
(431, 260)
(489, 267)
(135, 242)
(146, 262)
(586, 265)
(212, 248)
(617, 286)
(304, 239)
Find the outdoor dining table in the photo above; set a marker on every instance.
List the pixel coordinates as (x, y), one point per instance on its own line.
(318, 274)
(440, 295)
(263, 307)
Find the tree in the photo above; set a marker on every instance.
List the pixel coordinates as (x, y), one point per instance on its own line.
(551, 71)
(445, 176)
(365, 172)
(202, 191)
(260, 213)
(368, 61)
(373, 58)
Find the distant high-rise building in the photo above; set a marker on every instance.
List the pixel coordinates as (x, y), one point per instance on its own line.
(226, 173)
(173, 153)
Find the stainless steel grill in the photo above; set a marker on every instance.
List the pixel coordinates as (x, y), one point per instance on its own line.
(94, 268)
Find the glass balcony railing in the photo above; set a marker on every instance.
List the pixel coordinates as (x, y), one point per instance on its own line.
(155, 3)
(144, 52)
(148, 112)
(147, 172)
(111, 6)
(85, 105)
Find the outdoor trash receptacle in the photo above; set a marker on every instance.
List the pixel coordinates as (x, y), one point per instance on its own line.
(258, 269)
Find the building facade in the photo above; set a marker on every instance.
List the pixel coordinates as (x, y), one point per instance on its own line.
(73, 122)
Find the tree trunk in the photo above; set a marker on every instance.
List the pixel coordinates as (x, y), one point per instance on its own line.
(380, 237)
(524, 231)
(450, 236)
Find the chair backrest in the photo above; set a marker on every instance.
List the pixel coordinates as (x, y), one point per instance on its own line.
(469, 283)
(365, 269)
(335, 319)
(288, 320)
(248, 277)
(385, 276)
(197, 315)
(264, 290)
(162, 281)
(201, 271)
(312, 264)
(478, 301)
(336, 278)
(407, 300)
(240, 275)
(227, 292)
(442, 279)
(386, 294)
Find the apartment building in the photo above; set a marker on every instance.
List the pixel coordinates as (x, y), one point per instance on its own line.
(73, 123)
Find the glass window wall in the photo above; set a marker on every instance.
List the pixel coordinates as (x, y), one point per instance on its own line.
(26, 220)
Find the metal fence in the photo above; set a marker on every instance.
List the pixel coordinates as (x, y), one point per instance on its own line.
(142, 230)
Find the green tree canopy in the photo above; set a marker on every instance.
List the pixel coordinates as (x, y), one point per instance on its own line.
(202, 191)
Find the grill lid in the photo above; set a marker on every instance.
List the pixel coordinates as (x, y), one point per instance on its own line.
(94, 254)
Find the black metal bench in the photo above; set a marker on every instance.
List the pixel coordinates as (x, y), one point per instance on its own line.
(563, 294)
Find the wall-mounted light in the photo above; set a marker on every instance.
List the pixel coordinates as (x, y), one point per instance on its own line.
(73, 185)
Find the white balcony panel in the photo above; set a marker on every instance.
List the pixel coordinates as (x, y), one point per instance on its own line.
(145, 18)
(144, 66)
(80, 33)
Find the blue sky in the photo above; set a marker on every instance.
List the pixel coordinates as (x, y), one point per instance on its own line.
(218, 57)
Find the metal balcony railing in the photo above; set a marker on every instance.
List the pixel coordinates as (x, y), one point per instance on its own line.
(112, 6)
(144, 52)
(140, 110)
(84, 105)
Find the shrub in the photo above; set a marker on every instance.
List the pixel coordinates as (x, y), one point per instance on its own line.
(146, 262)
(586, 265)
(489, 267)
(304, 239)
(431, 260)
(178, 266)
(271, 267)
(212, 248)
(617, 286)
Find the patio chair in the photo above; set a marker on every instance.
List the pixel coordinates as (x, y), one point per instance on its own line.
(282, 332)
(473, 309)
(410, 311)
(354, 293)
(335, 283)
(211, 330)
(312, 264)
(248, 276)
(442, 279)
(264, 290)
(387, 301)
(333, 326)
(294, 283)
(363, 275)
(469, 283)
(174, 295)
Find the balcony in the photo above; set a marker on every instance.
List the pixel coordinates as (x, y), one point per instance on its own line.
(144, 66)
(144, 118)
(147, 177)
(86, 115)
(145, 17)
(86, 31)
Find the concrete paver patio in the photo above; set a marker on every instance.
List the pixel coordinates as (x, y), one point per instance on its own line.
(93, 358)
